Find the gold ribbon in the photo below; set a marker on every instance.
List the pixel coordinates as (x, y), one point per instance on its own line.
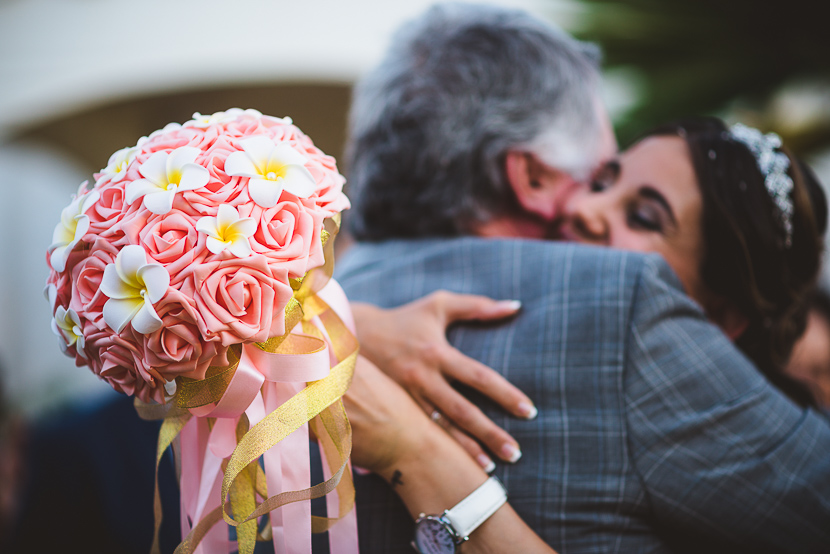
(331, 429)
(336, 443)
(172, 425)
(151, 412)
(337, 446)
(243, 496)
(293, 315)
(319, 404)
(277, 425)
(194, 393)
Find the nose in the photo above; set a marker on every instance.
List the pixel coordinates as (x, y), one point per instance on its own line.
(587, 216)
(567, 187)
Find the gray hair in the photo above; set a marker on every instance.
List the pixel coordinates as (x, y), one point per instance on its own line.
(458, 88)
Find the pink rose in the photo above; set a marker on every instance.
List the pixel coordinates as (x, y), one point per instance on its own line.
(87, 298)
(238, 299)
(61, 294)
(248, 126)
(114, 358)
(329, 198)
(107, 213)
(107, 210)
(127, 229)
(222, 188)
(177, 348)
(201, 138)
(286, 234)
(172, 240)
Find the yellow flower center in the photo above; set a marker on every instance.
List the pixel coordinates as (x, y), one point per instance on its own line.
(275, 172)
(173, 179)
(226, 233)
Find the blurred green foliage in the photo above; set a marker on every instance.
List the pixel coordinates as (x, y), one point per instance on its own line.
(714, 57)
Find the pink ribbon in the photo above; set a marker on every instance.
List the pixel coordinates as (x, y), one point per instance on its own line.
(243, 388)
(292, 367)
(262, 382)
(287, 469)
(200, 483)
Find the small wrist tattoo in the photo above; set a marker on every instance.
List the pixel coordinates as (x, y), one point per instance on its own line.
(396, 478)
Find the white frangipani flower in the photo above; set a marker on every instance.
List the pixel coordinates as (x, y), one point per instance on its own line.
(205, 121)
(73, 226)
(118, 163)
(50, 292)
(165, 175)
(133, 286)
(284, 120)
(228, 231)
(67, 326)
(270, 168)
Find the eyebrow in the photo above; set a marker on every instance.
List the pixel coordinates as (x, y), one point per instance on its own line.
(651, 193)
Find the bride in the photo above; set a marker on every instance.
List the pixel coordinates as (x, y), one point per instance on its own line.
(737, 218)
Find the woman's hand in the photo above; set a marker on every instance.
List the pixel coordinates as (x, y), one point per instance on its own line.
(427, 469)
(410, 345)
(387, 425)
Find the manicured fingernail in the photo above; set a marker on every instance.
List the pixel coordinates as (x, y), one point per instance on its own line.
(510, 304)
(528, 410)
(485, 462)
(511, 452)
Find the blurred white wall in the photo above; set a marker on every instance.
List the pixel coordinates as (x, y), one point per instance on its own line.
(58, 56)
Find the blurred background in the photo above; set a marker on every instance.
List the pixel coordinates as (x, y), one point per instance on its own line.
(83, 78)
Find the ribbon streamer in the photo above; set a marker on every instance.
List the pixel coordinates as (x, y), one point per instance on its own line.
(243, 497)
(228, 391)
(173, 423)
(279, 424)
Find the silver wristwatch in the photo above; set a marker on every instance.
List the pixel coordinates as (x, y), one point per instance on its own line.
(443, 534)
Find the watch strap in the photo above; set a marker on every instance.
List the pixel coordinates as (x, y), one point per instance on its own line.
(467, 515)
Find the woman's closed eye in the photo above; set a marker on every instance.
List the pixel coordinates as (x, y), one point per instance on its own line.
(650, 211)
(643, 216)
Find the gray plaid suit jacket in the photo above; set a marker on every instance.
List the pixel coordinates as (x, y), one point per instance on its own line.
(654, 433)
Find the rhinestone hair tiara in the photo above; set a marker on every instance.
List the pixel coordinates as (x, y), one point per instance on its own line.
(773, 166)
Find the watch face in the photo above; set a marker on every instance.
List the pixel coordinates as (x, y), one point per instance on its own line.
(433, 537)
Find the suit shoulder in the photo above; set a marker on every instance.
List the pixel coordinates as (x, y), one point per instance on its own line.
(501, 268)
(481, 252)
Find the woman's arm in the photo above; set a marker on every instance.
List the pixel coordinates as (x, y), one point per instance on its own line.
(410, 345)
(425, 466)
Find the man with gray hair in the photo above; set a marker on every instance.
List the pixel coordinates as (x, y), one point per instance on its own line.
(459, 90)
(473, 127)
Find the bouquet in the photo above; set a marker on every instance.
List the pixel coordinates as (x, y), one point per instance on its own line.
(195, 275)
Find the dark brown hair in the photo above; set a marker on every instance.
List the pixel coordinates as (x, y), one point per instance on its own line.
(746, 257)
